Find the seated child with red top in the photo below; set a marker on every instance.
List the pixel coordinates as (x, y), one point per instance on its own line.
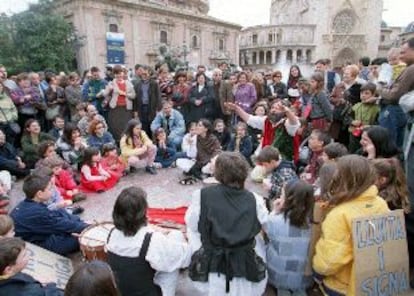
(13, 259)
(93, 176)
(111, 161)
(64, 181)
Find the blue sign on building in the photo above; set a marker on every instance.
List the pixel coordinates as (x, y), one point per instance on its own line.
(115, 48)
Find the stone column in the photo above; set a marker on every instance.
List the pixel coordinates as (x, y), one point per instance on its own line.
(283, 55)
(294, 57)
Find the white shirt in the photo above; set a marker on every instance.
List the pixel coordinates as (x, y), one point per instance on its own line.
(258, 122)
(166, 253)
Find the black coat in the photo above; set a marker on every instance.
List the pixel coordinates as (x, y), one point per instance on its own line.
(206, 109)
(154, 98)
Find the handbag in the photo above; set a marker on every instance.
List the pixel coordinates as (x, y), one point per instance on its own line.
(52, 112)
(27, 110)
(13, 126)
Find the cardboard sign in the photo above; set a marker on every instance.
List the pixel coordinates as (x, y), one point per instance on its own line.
(381, 255)
(46, 266)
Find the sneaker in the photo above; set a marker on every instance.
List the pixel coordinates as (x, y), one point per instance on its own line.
(151, 170)
(77, 210)
(79, 197)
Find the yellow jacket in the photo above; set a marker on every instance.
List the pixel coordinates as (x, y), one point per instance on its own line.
(334, 259)
(128, 150)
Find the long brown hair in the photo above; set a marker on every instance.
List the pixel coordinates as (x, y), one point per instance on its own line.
(298, 206)
(353, 176)
(394, 190)
(320, 79)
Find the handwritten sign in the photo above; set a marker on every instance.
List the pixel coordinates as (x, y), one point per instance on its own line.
(381, 255)
(44, 264)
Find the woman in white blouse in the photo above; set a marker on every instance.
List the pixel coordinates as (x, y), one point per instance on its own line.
(144, 262)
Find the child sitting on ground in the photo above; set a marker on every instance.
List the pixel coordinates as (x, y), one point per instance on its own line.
(288, 228)
(241, 141)
(64, 181)
(56, 201)
(35, 223)
(188, 149)
(6, 226)
(317, 140)
(111, 161)
(13, 259)
(93, 176)
(222, 134)
(282, 171)
(166, 153)
(189, 144)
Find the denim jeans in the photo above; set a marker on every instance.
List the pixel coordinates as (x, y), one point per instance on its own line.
(393, 118)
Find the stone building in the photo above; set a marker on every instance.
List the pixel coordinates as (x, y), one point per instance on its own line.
(302, 31)
(407, 33)
(390, 37)
(133, 31)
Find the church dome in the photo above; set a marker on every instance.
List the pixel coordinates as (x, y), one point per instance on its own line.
(383, 25)
(409, 28)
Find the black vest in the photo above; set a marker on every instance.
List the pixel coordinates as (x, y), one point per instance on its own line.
(228, 225)
(134, 276)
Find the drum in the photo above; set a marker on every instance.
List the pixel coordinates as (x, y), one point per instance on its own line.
(93, 239)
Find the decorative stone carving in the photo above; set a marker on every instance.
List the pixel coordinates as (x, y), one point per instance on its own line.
(344, 22)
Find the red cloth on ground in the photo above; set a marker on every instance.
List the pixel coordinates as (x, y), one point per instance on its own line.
(113, 165)
(95, 186)
(176, 215)
(64, 181)
(268, 134)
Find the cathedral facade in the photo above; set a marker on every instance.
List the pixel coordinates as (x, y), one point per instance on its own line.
(302, 31)
(132, 31)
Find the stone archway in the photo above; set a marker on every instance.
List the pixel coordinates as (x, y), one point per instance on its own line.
(345, 56)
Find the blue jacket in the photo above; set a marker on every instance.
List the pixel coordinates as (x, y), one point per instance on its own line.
(35, 223)
(98, 142)
(24, 285)
(176, 124)
(245, 147)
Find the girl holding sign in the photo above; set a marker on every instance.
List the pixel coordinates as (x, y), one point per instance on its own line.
(352, 195)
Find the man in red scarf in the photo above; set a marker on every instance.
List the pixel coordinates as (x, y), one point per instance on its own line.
(279, 127)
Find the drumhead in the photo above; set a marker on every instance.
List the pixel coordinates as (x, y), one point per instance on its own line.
(96, 235)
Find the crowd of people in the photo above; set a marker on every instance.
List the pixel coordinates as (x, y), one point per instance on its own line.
(343, 138)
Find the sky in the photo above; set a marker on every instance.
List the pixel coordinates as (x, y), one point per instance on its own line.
(256, 12)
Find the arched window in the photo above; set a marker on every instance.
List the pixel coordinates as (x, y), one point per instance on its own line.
(308, 56)
(113, 28)
(278, 56)
(261, 57)
(269, 58)
(289, 56)
(163, 37)
(194, 42)
(221, 44)
(299, 55)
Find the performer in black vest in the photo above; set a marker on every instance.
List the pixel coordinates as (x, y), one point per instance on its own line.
(144, 262)
(223, 226)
